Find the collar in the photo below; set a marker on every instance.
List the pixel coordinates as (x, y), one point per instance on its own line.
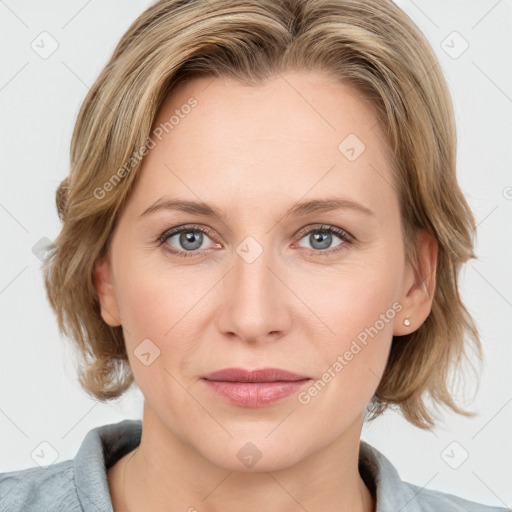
(104, 445)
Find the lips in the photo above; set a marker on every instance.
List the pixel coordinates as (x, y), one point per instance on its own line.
(254, 388)
(258, 375)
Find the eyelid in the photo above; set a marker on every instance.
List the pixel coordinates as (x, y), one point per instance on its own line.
(347, 238)
(178, 229)
(342, 233)
(303, 231)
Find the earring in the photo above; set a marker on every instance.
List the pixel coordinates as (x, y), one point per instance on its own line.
(407, 322)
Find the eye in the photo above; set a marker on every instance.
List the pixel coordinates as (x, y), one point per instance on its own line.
(321, 239)
(188, 240)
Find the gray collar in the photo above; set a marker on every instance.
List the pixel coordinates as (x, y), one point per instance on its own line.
(106, 444)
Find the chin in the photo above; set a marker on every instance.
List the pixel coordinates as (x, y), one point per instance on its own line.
(246, 456)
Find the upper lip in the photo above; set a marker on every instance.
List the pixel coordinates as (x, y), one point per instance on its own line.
(258, 375)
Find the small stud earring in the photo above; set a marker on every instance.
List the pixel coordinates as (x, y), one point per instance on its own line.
(407, 322)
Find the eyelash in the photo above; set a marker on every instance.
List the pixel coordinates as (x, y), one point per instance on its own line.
(324, 228)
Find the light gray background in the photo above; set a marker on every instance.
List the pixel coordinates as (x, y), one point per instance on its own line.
(39, 101)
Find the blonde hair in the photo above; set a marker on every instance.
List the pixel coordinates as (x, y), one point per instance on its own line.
(373, 46)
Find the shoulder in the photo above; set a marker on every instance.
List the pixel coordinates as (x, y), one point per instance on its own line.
(37, 489)
(392, 493)
(429, 500)
(76, 485)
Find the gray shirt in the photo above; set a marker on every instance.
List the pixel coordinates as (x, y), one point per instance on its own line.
(80, 484)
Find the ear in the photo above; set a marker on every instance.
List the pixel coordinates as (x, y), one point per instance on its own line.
(106, 293)
(418, 286)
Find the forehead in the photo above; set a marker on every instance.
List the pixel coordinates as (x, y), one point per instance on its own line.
(296, 134)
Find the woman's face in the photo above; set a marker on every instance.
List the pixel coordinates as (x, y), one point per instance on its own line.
(263, 286)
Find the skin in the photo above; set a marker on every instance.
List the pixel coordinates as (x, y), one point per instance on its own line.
(295, 308)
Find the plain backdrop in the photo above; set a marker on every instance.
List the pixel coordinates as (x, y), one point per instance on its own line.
(40, 95)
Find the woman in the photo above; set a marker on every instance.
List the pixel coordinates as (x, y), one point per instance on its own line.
(263, 230)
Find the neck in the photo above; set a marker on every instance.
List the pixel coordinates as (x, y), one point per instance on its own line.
(165, 473)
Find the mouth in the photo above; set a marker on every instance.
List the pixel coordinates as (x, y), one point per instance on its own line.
(254, 388)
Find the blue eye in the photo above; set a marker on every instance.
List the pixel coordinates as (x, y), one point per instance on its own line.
(322, 238)
(190, 239)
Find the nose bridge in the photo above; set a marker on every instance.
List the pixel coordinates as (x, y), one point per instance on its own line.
(253, 305)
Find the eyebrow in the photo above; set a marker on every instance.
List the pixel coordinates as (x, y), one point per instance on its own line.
(299, 209)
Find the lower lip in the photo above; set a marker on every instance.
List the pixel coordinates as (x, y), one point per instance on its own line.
(255, 394)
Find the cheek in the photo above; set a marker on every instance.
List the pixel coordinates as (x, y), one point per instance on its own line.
(355, 312)
(160, 312)
(151, 292)
(351, 298)
(142, 308)
(353, 361)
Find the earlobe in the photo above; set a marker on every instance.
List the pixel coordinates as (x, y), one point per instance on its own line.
(419, 286)
(106, 293)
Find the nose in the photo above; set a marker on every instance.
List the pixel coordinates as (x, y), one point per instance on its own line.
(256, 304)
